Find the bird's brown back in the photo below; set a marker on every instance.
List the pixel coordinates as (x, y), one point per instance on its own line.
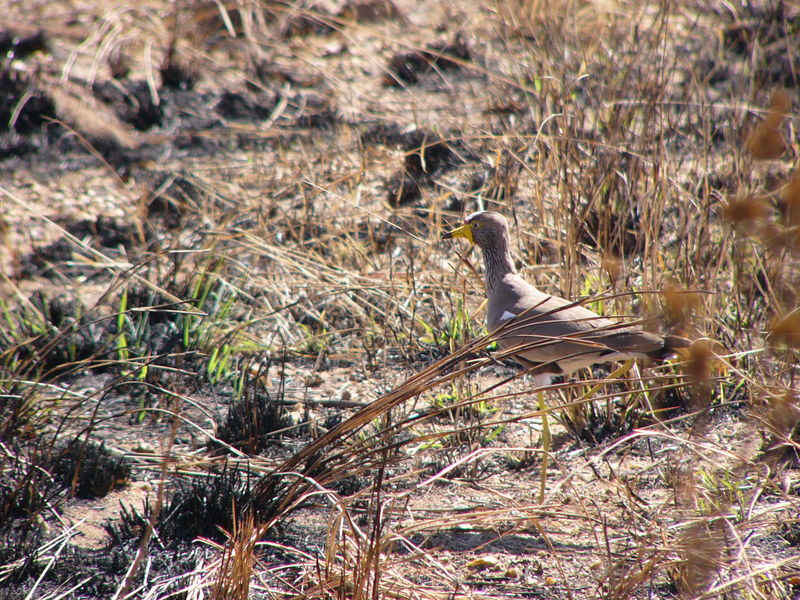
(553, 329)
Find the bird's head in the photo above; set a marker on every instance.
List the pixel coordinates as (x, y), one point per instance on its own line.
(483, 228)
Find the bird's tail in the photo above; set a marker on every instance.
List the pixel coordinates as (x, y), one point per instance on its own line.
(672, 343)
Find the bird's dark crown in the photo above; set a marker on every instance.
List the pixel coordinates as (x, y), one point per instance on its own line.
(487, 228)
(485, 217)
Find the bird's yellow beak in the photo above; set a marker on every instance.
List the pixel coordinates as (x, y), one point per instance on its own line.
(464, 231)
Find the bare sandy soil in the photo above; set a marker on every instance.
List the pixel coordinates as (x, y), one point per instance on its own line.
(220, 240)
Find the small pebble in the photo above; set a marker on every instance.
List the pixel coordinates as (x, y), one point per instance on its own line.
(314, 380)
(144, 448)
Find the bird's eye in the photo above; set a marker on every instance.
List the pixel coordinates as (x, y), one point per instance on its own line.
(476, 225)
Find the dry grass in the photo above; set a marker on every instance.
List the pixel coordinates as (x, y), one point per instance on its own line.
(290, 264)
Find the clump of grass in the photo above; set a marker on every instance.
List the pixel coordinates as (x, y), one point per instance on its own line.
(204, 506)
(235, 571)
(256, 417)
(89, 470)
(49, 335)
(26, 492)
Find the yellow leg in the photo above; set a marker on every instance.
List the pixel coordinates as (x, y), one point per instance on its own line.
(546, 439)
(545, 446)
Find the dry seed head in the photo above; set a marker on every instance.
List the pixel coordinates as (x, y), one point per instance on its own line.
(779, 103)
(767, 141)
(790, 200)
(746, 210)
(701, 551)
(612, 266)
(785, 329)
(779, 239)
(704, 360)
(683, 480)
(679, 303)
(783, 414)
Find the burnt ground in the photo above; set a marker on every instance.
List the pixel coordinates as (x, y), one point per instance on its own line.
(220, 241)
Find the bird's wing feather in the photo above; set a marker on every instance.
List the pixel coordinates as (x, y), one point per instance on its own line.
(552, 328)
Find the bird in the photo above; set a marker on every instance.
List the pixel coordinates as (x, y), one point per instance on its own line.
(546, 334)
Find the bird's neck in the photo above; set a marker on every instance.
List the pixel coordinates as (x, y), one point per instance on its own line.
(498, 263)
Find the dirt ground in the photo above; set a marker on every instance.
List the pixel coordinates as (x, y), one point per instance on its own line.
(220, 241)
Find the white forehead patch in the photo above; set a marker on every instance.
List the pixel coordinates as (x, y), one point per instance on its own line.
(473, 215)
